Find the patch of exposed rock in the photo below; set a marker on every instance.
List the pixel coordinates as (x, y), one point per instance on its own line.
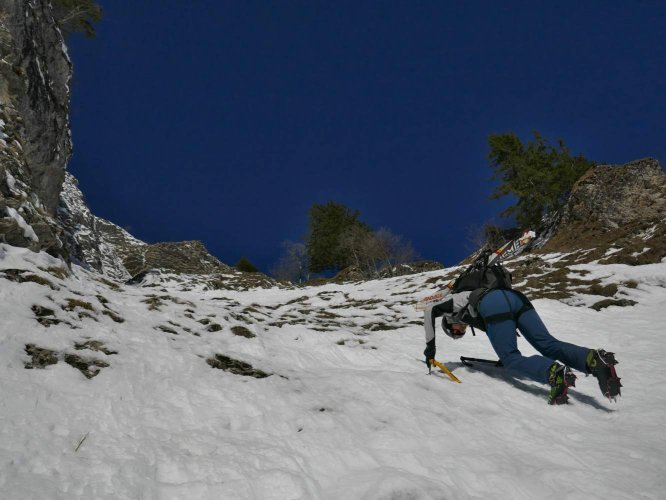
(235, 366)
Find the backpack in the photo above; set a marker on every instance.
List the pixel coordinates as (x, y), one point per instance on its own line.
(481, 275)
(479, 278)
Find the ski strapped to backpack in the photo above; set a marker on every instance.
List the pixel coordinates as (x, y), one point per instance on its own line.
(485, 272)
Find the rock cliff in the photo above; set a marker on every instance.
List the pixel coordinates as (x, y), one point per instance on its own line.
(41, 206)
(35, 144)
(617, 213)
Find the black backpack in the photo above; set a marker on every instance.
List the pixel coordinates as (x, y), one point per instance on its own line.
(480, 274)
(479, 278)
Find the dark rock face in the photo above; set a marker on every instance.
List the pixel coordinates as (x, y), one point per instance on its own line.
(45, 105)
(35, 140)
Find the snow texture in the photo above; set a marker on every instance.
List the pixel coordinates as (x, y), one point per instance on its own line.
(349, 412)
(11, 182)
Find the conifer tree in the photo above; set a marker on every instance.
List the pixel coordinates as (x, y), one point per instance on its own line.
(538, 174)
(246, 266)
(328, 222)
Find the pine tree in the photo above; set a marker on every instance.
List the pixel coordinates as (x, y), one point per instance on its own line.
(246, 266)
(539, 175)
(327, 224)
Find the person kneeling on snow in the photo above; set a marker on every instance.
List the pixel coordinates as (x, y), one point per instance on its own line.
(500, 312)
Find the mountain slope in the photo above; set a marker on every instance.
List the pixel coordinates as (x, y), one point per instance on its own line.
(347, 412)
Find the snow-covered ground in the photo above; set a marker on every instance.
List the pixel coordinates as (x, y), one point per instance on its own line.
(348, 413)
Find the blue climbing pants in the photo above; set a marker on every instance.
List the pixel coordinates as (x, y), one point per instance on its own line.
(502, 335)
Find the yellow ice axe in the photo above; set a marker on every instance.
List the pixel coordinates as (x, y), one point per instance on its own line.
(445, 370)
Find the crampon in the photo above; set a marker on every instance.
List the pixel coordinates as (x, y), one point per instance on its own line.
(602, 366)
(560, 379)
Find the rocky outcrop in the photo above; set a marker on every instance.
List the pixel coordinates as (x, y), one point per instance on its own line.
(617, 212)
(112, 251)
(96, 242)
(35, 144)
(610, 196)
(182, 257)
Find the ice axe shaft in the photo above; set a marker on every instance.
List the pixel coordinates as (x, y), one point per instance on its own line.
(445, 370)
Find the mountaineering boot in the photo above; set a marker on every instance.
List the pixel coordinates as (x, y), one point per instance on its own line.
(560, 378)
(601, 364)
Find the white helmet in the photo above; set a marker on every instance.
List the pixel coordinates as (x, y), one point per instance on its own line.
(447, 325)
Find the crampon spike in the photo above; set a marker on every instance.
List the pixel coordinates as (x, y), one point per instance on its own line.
(613, 385)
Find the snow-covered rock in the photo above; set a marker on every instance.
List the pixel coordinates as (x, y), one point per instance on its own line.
(102, 246)
(95, 241)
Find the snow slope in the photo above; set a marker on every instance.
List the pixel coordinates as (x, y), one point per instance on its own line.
(348, 412)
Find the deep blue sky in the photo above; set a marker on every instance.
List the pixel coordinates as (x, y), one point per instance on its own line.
(225, 121)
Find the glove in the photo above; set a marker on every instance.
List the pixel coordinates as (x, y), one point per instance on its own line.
(429, 352)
